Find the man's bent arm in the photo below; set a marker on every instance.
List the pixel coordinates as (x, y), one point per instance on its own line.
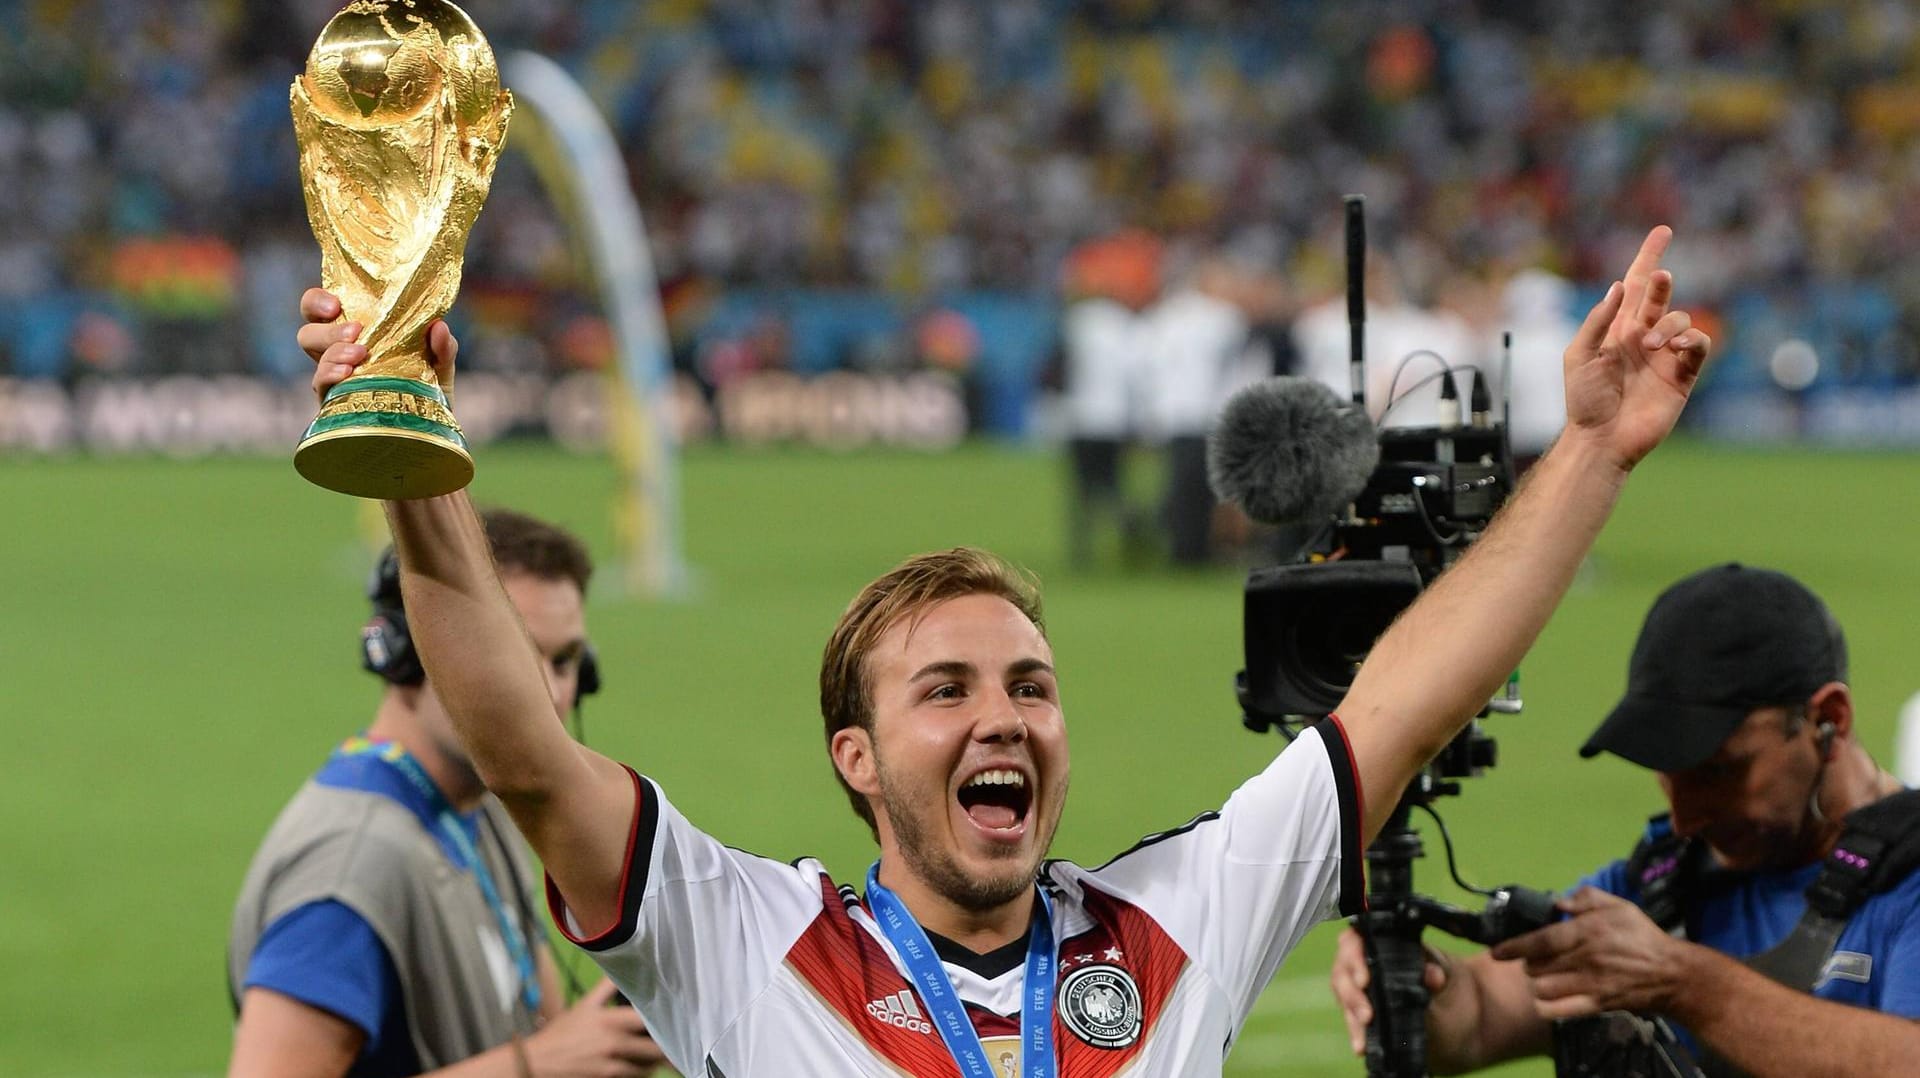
(1771, 1031)
(1764, 1028)
(1481, 1011)
(280, 1037)
(574, 805)
(1494, 1021)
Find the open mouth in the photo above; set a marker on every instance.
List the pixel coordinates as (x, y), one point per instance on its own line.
(997, 800)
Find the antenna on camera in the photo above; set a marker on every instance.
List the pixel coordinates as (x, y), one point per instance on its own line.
(1506, 380)
(1357, 295)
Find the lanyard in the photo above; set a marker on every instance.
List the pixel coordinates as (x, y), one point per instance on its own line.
(447, 822)
(943, 1004)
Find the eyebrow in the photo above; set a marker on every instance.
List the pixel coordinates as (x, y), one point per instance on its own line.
(1718, 762)
(943, 668)
(1030, 666)
(958, 669)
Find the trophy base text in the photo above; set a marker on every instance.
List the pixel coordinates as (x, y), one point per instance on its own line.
(384, 437)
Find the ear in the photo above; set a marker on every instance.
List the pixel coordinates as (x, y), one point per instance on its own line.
(1832, 711)
(852, 751)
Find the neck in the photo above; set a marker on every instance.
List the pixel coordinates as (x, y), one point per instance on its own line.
(398, 720)
(979, 931)
(1851, 781)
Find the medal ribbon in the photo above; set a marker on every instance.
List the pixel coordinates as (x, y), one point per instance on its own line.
(943, 1003)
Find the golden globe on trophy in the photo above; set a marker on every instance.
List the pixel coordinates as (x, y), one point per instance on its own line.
(400, 118)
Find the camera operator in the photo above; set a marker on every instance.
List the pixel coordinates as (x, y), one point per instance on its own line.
(944, 724)
(1737, 698)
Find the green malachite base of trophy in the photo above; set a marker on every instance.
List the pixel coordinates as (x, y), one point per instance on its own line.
(385, 437)
(400, 117)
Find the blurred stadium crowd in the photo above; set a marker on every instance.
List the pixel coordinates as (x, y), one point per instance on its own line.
(879, 184)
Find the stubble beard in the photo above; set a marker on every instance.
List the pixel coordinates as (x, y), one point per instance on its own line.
(936, 866)
(458, 761)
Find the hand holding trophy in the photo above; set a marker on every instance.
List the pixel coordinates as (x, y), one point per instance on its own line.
(400, 119)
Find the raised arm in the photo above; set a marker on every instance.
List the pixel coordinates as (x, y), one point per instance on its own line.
(1628, 373)
(574, 806)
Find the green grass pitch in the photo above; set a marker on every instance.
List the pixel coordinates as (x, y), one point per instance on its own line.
(177, 652)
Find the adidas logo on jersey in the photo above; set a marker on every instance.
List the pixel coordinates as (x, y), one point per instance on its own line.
(900, 1011)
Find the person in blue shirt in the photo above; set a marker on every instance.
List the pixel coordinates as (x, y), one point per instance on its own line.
(1737, 698)
(386, 925)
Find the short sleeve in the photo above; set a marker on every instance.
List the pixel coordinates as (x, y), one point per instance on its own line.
(327, 956)
(1238, 889)
(1612, 879)
(702, 927)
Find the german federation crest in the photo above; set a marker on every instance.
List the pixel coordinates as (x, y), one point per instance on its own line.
(1101, 1005)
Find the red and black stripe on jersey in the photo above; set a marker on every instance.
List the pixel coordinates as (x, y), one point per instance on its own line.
(1353, 814)
(633, 874)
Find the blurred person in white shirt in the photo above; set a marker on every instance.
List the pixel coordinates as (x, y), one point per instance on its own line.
(1103, 343)
(1198, 355)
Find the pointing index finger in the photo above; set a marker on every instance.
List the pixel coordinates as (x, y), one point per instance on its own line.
(1640, 273)
(1652, 249)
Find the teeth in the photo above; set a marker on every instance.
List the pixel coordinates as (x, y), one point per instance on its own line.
(998, 778)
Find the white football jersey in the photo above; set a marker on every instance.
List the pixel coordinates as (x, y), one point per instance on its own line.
(745, 966)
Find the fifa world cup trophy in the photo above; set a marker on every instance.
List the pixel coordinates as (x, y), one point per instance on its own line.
(400, 118)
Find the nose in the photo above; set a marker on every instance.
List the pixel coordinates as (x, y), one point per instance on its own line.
(560, 689)
(1690, 811)
(1003, 723)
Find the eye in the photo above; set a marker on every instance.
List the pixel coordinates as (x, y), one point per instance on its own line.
(1718, 771)
(1031, 690)
(566, 660)
(948, 691)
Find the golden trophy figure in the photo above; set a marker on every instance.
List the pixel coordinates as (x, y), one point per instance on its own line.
(400, 118)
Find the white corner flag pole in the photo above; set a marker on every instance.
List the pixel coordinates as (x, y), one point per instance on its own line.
(578, 160)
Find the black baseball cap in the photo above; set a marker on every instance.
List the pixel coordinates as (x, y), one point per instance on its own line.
(1714, 647)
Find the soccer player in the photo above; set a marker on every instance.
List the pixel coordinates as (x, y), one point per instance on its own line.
(1737, 698)
(944, 721)
(385, 926)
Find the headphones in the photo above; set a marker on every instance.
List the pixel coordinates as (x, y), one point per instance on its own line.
(1825, 732)
(386, 647)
